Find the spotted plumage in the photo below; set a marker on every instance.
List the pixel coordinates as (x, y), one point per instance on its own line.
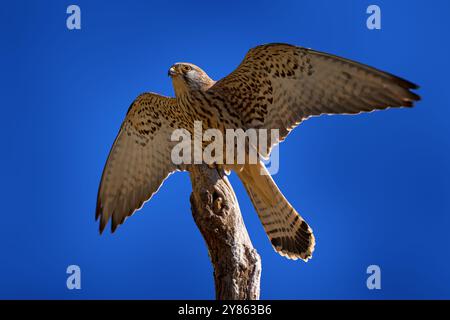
(276, 86)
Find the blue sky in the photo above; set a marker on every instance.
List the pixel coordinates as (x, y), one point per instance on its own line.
(373, 187)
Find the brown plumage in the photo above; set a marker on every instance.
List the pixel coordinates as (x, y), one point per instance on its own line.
(276, 86)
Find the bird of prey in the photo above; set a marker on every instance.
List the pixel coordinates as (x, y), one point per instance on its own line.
(276, 86)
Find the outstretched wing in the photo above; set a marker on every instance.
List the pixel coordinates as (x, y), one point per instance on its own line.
(139, 160)
(279, 85)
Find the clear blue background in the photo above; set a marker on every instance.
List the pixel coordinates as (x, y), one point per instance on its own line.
(373, 187)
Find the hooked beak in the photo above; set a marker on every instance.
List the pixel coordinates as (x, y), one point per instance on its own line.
(171, 72)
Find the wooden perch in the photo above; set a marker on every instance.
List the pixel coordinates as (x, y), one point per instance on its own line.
(237, 265)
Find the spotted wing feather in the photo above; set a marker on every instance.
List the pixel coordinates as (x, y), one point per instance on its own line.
(279, 85)
(139, 160)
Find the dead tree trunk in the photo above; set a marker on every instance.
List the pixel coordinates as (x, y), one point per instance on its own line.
(237, 265)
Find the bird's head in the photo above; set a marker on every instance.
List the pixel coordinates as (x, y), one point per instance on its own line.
(187, 77)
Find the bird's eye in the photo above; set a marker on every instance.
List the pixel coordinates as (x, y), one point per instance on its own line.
(187, 68)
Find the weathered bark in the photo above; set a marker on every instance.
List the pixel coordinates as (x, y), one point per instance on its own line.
(237, 265)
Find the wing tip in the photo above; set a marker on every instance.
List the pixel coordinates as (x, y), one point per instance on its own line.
(104, 222)
(409, 86)
(114, 227)
(410, 98)
(102, 225)
(404, 83)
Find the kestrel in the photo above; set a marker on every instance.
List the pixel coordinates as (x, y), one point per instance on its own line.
(276, 86)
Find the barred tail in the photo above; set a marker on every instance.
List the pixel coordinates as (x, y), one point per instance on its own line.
(289, 234)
